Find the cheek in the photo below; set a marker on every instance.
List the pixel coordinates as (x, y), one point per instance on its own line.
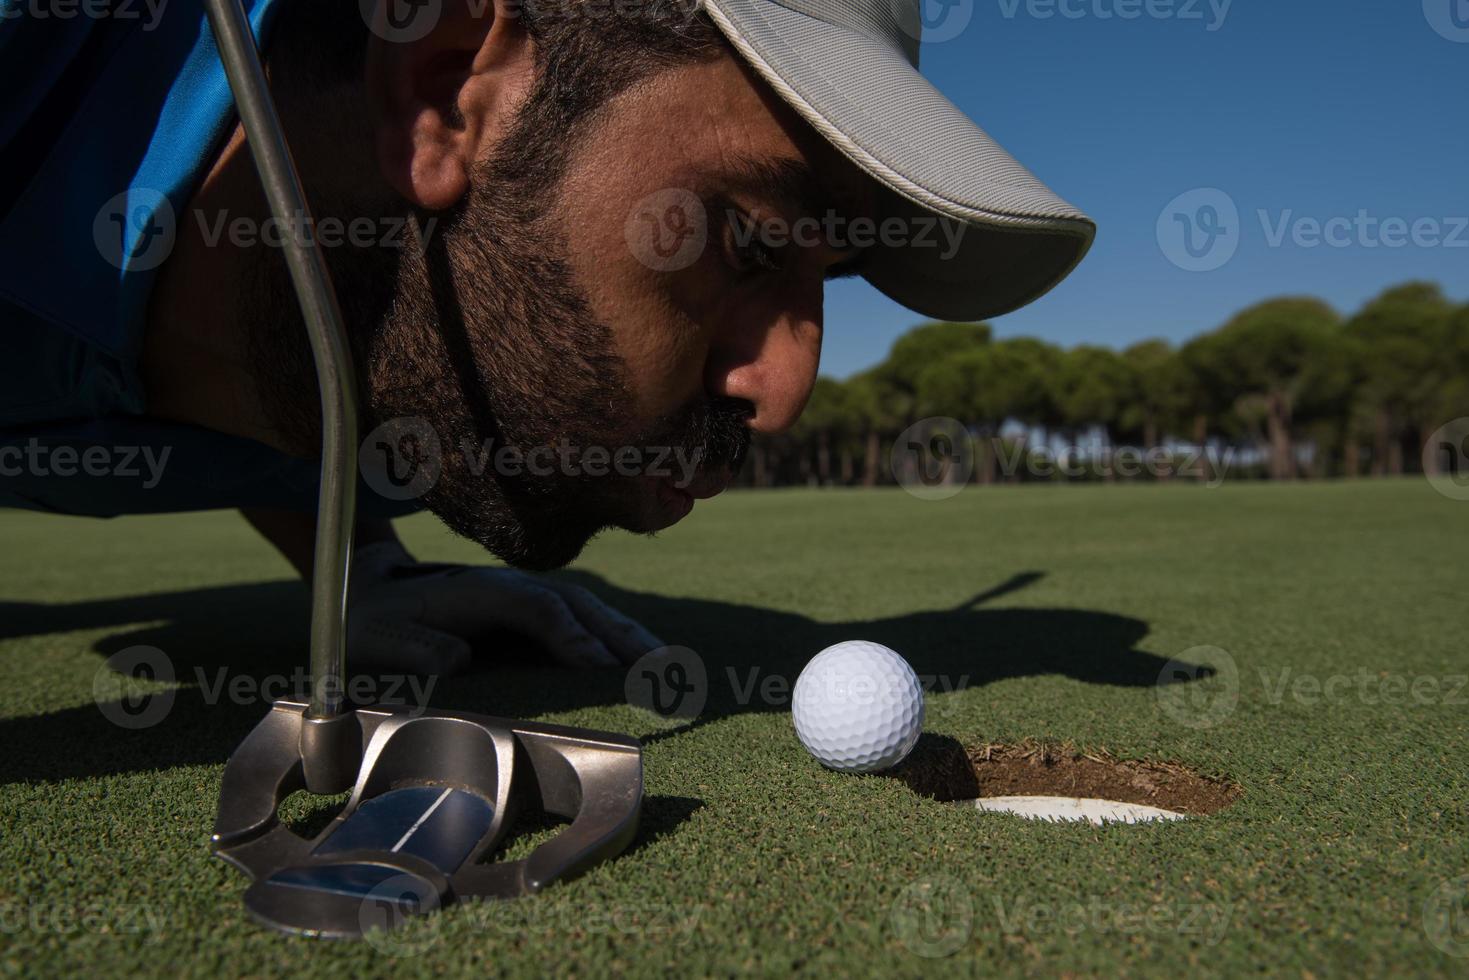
(658, 329)
(663, 321)
(664, 347)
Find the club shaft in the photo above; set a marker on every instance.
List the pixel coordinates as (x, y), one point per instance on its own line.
(337, 502)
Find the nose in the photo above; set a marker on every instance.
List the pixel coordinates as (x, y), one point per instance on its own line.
(773, 366)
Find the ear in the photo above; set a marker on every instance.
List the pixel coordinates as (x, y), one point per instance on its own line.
(444, 78)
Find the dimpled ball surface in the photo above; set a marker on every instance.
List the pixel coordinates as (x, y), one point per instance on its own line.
(858, 707)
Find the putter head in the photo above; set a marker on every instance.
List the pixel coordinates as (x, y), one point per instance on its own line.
(433, 796)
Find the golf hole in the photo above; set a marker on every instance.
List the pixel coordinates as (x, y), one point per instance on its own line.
(1060, 782)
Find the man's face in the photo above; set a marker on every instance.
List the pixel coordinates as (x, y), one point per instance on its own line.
(659, 207)
(636, 306)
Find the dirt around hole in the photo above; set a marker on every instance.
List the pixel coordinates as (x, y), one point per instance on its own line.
(945, 770)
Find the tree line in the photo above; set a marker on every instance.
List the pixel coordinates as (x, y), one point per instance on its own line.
(1286, 389)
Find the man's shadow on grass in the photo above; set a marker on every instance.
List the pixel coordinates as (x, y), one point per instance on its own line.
(222, 642)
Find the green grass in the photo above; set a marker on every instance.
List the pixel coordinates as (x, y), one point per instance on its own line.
(1052, 609)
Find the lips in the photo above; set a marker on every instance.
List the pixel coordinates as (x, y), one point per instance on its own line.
(707, 485)
(671, 502)
(673, 505)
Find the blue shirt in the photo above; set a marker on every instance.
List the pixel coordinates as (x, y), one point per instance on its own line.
(108, 123)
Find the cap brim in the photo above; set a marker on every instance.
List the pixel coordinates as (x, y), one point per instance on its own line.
(1017, 239)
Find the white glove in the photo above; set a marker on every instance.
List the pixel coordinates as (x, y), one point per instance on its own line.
(408, 616)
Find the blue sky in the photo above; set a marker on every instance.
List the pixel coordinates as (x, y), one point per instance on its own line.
(1300, 108)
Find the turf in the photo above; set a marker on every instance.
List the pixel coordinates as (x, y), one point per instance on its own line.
(1048, 613)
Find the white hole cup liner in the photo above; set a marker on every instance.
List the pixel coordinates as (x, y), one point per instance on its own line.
(1059, 808)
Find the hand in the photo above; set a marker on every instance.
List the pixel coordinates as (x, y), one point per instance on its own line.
(409, 616)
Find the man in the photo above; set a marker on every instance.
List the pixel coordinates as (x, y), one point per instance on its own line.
(596, 228)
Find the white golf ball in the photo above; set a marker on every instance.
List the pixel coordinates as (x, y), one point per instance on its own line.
(858, 707)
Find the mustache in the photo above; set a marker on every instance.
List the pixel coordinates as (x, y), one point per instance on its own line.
(716, 428)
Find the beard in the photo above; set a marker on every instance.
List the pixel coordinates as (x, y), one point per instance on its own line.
(476, 327)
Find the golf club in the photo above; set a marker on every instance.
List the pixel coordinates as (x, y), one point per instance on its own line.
(433, 793)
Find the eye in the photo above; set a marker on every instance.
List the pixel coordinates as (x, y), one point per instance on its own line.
(745, 247)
